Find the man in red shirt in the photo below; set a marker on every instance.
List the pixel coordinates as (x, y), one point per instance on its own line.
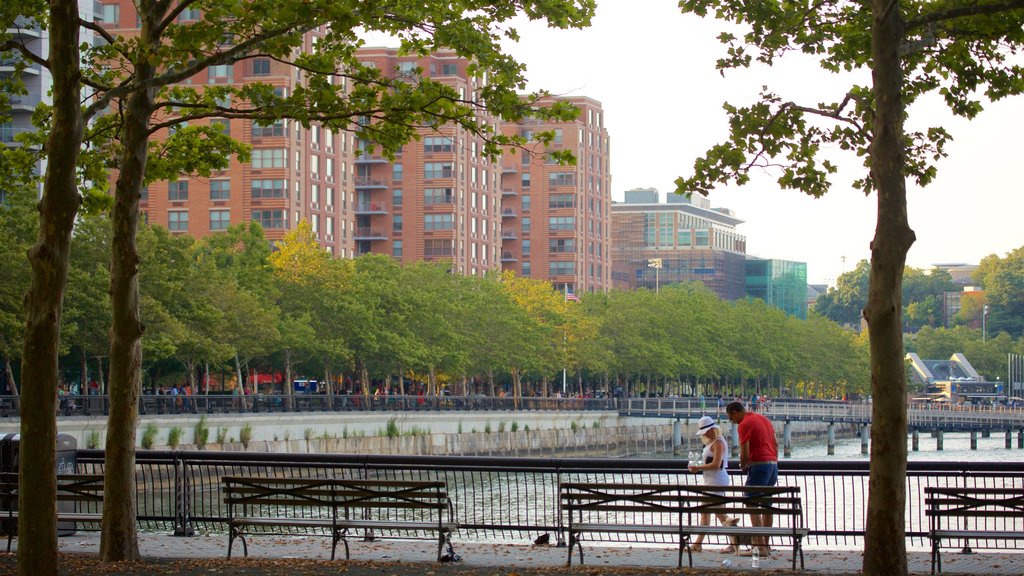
(759, 455)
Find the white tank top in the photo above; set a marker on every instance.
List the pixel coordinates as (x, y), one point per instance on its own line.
(720, 476)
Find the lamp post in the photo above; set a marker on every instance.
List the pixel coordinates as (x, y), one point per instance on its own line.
(984, 317)
(656, 264)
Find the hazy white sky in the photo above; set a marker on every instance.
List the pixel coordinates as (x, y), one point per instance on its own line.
(653, 70)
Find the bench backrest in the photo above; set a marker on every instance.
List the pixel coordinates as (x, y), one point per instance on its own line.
(977, 505)
(335, 493)
(678, 501)
(78, 488)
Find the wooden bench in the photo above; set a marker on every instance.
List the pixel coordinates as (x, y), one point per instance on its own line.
(962, 514)
(278, 506)
(674, 510)
(79, 499)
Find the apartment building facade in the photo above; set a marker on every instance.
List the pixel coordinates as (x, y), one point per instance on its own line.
(294, 173)
(690, 240)
(440, 198)
(556, 219)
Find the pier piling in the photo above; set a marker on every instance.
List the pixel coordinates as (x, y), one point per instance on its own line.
(787, 439)
(677, 437)
(831, 438)
(974, 439)
(938, 440)
(865, 433)
(1009, 438)
(915, 440)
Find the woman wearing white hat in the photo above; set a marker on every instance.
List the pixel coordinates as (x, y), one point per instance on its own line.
(716, 460)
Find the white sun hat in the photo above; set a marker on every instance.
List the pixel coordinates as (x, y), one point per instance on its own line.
(706, 423)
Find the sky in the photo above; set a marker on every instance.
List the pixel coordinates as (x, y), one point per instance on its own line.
(653, 70)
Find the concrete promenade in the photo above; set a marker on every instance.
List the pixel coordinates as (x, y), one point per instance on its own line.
(416, 557)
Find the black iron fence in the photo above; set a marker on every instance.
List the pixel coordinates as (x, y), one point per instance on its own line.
(162, 404)
(515, 499)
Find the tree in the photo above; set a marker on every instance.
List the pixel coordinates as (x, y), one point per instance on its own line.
(1004, 292)
(959, 50)
(141, 77)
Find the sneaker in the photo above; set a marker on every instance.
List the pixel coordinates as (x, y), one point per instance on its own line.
(730, 549)
(732, 522)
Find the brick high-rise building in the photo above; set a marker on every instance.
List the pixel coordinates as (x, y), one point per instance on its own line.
(440, 198)
(556, 219)
(294, 174)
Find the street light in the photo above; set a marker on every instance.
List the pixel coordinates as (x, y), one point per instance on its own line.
(984, 316)
(656, 264)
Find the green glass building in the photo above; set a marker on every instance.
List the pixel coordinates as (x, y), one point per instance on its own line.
(780, 283)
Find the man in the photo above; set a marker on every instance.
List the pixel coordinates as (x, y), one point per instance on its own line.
(759, 455)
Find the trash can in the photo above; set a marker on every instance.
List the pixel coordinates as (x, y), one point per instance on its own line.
(67, 463)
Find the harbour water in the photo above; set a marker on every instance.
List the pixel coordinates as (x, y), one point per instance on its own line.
(957, 448)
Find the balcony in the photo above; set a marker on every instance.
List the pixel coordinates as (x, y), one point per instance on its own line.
(25, 102)
(368, 183)
(364, 158)
(508, 257)
(509, 170)
(509, 213)
(370, 234)
(509, 192)
(370, 208)
(8, 65)
(25, 28)
(509, 235)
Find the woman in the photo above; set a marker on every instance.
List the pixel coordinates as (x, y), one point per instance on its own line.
(716, 460)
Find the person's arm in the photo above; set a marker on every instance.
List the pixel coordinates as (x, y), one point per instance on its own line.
(744, 455)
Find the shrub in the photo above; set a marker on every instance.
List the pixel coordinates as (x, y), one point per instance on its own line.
(487, 428)
(222, 435)
(392, 430)
(595, 424)
(174, 437)
(501, 426)
(526, 428)
(574, 426)
(515, 426)
(245, 435)
(201, 434)
(93, 441)
(149, 436)
(308, 434)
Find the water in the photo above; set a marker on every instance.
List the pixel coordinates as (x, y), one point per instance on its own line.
(957, 448)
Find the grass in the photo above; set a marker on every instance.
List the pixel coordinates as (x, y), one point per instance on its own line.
(245, 435)
(201, 434)
(174, 437)
(149, 436)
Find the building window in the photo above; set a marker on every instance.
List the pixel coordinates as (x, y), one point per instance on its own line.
(561, 268)
(438, 170)
(561, 223)
(396, 197)
(111, 14)
(220, 189)
(177, 191)
(434, 248)
(526, 180)
(268, 158)
(314, 166)
(526, 247)
(524, 202)
(702, 237)
(220, 219)
(270, 219)
(261, 67)
(396, 172)
(562, 179)
(526, 269)
(434, 196)
(177, 221)
(314, 194)
(432, 144)
(437, 222)
(526, 225)
(221, 71)
(396, 248)
(449, 69)
(562, 201)
(277, 128)
(269, 188)
(189, 15)
(561, 246)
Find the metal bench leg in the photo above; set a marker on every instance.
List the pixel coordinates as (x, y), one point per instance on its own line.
(684, 541)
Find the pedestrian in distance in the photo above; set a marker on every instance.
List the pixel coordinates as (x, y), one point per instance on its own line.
(759, 458)
(715, 458)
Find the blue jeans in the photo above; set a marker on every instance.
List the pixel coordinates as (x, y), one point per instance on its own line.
(763, 474)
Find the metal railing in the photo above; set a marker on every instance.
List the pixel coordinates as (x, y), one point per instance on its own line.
(513, 499)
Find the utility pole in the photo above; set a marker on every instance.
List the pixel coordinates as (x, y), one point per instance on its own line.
(656, 264)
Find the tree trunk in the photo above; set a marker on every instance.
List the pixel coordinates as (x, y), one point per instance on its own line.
(99, 374)
(286, 389)
(884, 541)
(118, 540)
(490, 383)
(49, 257)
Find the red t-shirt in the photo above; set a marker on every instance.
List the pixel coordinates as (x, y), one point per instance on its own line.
(758, 433)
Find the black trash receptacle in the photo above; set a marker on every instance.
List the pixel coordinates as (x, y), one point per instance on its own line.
(67, 463)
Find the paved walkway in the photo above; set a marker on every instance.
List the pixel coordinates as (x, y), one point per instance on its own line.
(505, 558)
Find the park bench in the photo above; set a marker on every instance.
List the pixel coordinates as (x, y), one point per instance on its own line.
(339, 507)
(79, 499)
(674, 510)
(963, 514)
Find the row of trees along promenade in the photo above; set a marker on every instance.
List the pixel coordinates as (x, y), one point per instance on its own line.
(960, 49)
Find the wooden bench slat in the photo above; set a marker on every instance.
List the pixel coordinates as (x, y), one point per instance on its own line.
(946, 506)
